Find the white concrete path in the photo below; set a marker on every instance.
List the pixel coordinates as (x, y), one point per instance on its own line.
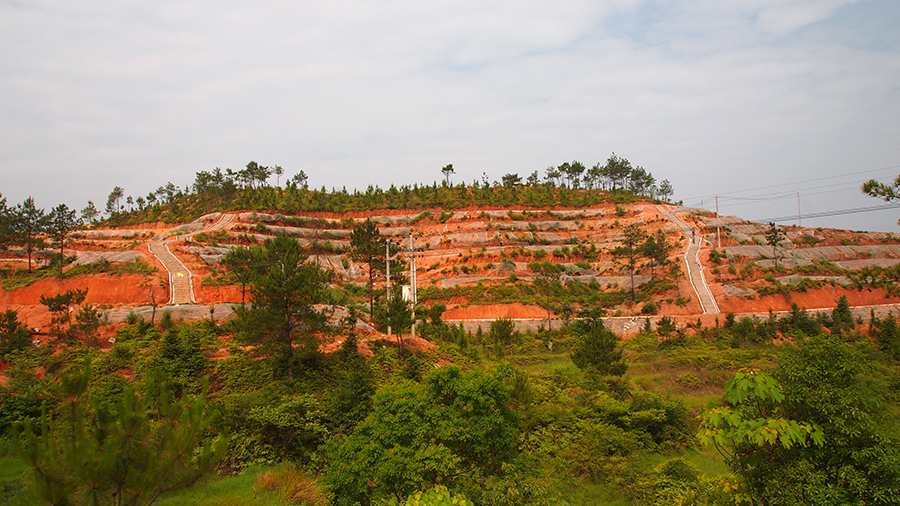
(181, 285)
(692, 261)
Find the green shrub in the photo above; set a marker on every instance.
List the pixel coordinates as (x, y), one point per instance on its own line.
(438, 495)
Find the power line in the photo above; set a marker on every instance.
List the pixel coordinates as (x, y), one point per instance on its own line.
(823, 178)
(791, 195)
(845, 186)
(830, 213)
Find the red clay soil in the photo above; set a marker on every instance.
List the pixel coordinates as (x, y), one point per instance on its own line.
(684, 289)
(494, 311)
(334, 343)
(814, 298)
(218, 294)
(433, 210)
(102, 289)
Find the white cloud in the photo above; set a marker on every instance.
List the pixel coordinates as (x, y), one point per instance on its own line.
(705, 93)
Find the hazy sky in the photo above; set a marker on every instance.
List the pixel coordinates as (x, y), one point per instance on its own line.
(731, 98)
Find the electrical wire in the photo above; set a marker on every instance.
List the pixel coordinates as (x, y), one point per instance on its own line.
(732, 200)
(823, 178)
(790, 193)
(830, 213)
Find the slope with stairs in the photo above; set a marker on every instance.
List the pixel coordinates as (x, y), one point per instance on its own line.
(692, 261)
(181, 289)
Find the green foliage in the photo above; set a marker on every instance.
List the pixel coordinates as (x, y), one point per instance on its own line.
(24, 396)
(26, 227)
(666, 326)
(421, 434)
(399, 314)
(366, 246)
(503, 331)
(886, 192)
(835, 385)
(107, 267)
(751, 430)
(657, 249)
(774, 236)
(272, 425)
(631, 251)
(596, 349)
(60, 305)
(180, 357)
(437, 495)
(13, 334)
(678, 482)
(842, 316)
(888, 336)
(657, 286)
(240, 262)
(293, 427)
(801, 321)
(284, 309)
(166, 321)
(127, 452)
(60, 222)
(351, 398)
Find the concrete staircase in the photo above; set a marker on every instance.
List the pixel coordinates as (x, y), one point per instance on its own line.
(222, 222)
(692, 260)
(181, 288)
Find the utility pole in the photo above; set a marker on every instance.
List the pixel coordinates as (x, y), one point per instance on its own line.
(718, 242)
(387, 292)
(412, 280)
(799, 215)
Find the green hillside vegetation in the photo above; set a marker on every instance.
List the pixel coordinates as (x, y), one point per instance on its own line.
(497, 417)
(569, 185)
(799, 408)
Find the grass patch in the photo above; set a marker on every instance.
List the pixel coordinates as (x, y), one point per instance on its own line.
(240, 490)
(12, 477)
(21, 278)
(107, 267)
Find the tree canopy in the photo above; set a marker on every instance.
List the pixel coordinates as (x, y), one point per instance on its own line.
(453, 426)
(285, 293)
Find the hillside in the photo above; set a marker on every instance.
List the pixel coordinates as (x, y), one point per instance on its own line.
(574, 409)
(479, 262)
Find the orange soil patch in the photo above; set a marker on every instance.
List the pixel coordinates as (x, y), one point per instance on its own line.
(102, 289)
(334, 343)
(433, 210)
(815, 298)
(685, 289)
(32, 316)
(218, 354)
(494, 311)
(218, 294)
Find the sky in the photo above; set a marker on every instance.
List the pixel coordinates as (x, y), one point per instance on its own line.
(771, 105)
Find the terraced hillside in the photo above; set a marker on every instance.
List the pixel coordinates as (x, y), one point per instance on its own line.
(481, 263)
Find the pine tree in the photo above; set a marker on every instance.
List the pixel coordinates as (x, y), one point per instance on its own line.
(126, 452)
